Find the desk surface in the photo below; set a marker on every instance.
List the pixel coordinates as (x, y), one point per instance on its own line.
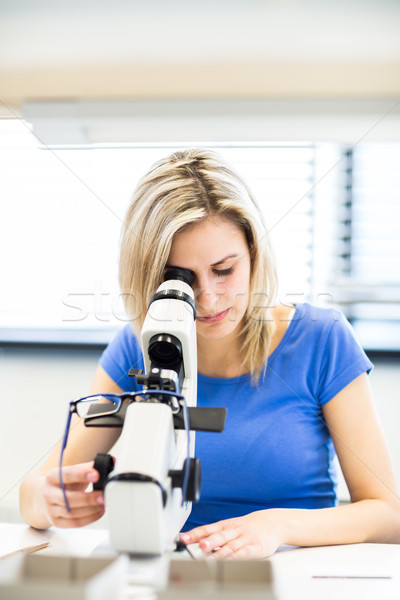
(357, 571)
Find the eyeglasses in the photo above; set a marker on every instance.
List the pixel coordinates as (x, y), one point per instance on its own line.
(102, 405)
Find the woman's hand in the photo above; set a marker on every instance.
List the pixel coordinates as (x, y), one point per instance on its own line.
(85, 506)
(253, 536)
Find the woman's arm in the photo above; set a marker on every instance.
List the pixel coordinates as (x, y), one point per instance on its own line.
(41, 498)
(372, 516)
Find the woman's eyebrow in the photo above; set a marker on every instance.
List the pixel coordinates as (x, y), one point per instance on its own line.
(220, 262)
(216, 264)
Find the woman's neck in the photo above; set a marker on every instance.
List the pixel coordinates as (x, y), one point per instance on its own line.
(220, 358)
(223, 357)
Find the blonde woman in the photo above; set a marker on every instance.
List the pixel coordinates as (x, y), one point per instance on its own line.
(294, 381)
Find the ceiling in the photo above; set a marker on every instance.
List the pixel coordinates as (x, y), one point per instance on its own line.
(48, 33)
(52, 49)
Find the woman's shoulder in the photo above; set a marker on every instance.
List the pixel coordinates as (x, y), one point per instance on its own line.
(328, 330)
(122, 354)
(316, 318)
(311, 328)
(318, 312)
(303, 318)
(323, 350)
(124, 340)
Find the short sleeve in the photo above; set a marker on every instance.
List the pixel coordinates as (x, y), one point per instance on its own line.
(122, 353)
(342, 359)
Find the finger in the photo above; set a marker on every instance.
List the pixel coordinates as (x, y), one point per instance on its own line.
(82, 499)
(68, 522)
(219, 539)
(197, 534)
(238, 548)
(76, 499)
(77, 487)
(221, 553)
(83, 474)
(76, 513)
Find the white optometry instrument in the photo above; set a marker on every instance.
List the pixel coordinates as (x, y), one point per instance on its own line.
(150, 489)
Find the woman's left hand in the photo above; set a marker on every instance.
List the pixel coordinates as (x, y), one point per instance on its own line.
(253, 536)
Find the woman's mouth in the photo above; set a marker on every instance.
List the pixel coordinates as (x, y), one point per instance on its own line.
(213, 318)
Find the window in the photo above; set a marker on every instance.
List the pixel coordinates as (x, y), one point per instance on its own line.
(367, 281)
(62, 209)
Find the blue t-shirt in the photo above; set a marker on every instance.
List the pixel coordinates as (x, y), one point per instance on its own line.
(276, 450)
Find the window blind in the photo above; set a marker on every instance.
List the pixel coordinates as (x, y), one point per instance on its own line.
(62, 210)
(368, 277)
(332, 214)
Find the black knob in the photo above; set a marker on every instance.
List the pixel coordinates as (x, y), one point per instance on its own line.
(194, 479)
(194, 483)
(104, 464)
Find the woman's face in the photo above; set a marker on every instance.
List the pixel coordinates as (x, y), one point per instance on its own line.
(217, 253)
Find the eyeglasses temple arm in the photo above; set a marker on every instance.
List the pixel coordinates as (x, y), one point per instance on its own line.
(63, 446)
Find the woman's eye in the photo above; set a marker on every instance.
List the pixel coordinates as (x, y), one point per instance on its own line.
(223, 272)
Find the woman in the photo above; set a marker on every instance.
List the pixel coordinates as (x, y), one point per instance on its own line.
(294, 381)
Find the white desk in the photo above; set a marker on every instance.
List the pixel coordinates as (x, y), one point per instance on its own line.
(74, 542)
(293, 572)
(375, 568)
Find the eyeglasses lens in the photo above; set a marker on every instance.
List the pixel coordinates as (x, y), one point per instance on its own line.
(96, 406)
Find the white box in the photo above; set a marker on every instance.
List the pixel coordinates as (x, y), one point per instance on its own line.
(219, 580)
(36, 577)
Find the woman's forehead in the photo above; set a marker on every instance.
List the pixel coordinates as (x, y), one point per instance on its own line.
(210, 241)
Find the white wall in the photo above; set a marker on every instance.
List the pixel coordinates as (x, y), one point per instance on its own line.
(36, 386)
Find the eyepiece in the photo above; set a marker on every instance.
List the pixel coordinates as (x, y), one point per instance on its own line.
(180, 274)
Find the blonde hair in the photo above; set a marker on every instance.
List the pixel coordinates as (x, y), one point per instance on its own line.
(178, 191)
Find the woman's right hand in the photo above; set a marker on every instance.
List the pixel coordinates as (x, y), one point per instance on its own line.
(42, 501)
(85, 506)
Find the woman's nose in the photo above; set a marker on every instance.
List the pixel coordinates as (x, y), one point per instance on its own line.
(206, 296)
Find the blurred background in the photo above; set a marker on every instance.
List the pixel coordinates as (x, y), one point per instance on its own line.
(302, 97)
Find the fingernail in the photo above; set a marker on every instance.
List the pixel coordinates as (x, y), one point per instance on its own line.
(91, 476)
(100, 500)
(185, 537)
